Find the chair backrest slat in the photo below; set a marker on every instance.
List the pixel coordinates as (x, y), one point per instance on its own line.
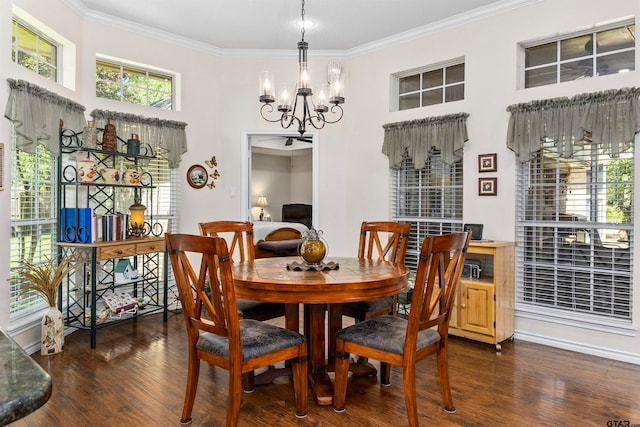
(207, 297)
(397, 235)
(239, 236)
(439, 268)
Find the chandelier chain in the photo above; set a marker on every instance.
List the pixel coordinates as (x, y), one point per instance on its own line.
(303, 26)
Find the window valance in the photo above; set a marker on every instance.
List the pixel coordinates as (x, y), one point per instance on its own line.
(420, 138)
(610, 118)
(168, 137)
(36, 113)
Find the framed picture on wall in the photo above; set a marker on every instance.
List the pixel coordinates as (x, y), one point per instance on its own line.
(488, 162)
(487, 186)
(197, 176)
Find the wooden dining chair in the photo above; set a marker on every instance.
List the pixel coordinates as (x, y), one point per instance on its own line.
(215, 332)
(402, 342)
(239, 237)
(372, 234)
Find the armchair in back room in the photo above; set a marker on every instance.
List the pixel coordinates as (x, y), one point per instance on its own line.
(297, 212)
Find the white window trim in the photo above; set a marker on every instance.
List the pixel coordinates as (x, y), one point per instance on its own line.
(575, 320)
(602, 26)
(394, 80)
(175, 76)
(66, 55)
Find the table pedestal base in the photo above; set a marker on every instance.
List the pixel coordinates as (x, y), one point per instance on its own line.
(362, 368)
(322, 388)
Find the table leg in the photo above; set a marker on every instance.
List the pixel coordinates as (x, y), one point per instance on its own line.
(335, 324)
(292, 317)
(321, 384)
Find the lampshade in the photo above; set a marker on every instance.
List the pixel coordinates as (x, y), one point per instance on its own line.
(262, 202)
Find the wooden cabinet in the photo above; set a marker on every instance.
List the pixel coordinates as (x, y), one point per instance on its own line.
(484, 308)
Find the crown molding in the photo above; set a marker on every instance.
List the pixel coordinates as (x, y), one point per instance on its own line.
(452, 22)
(445, 24)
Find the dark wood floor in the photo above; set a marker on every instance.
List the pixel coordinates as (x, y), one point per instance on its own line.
(136, 376)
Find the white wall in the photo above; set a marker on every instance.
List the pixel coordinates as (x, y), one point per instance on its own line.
(271, 177)
(219, 102)
(301, 177)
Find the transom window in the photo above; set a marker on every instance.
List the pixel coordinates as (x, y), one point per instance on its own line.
(135, 85)
(598, 53)
(429, 198)
(431, 86)
(33, 50)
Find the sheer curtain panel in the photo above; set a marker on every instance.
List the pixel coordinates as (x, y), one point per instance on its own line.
(36, 113)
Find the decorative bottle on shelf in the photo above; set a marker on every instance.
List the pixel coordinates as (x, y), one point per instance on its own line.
(90, 135)
(109, 137)
(133, 144)
(313, 248)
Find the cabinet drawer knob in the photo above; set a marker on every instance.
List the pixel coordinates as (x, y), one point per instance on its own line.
(463, 305)
(118, 252)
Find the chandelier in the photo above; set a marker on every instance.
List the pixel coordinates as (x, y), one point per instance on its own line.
(307, 109)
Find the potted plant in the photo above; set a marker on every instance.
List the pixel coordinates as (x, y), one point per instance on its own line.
(45, 278)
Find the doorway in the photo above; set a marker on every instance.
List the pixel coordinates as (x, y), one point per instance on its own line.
(287, 148)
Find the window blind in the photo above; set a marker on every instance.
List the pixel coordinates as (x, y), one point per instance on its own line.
(430, 199)
(33, 221)
(575, 233)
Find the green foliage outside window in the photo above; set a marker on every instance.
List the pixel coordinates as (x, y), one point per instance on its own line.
(31, 50)
(137, 86)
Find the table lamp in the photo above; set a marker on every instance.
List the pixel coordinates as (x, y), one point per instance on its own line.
(137, 218)
(262, 203)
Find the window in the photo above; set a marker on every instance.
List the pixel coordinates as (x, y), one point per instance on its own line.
(429, 198)
(33, 50)
(134, 84)
(33, 220)
(607, 51)
(574, 233)
(431, 86)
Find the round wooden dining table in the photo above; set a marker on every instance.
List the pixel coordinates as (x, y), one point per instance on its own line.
(350, 280)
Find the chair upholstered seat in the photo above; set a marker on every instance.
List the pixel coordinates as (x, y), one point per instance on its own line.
(257, 338)
(248, 309)
(386, 333)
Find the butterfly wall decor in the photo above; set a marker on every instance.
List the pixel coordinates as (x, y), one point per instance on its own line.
(212, 163)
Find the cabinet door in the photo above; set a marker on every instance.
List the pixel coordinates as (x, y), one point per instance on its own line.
(477, 307)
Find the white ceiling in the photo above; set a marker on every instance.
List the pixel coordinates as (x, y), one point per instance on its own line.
(338, 25)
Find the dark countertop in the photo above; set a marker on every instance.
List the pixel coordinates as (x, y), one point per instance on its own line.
(24, 385)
